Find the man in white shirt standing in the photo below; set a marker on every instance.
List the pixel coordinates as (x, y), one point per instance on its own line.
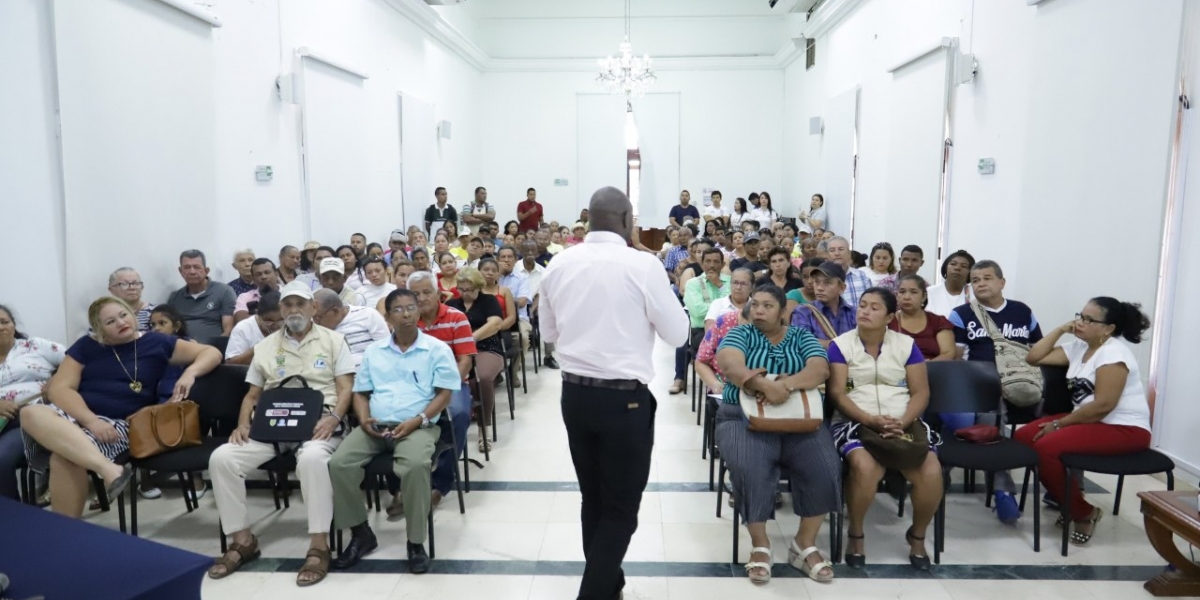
(716, 211)
(603, 302)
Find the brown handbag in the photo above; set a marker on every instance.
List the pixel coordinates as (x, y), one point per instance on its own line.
(901, 453)
(164, 427)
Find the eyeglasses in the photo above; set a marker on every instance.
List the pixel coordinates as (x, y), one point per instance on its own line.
(404, 310)
(1088, 320)
(739, 283)
(129, 285)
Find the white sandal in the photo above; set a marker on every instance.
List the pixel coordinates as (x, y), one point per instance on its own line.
(750, 566)
(799, 559)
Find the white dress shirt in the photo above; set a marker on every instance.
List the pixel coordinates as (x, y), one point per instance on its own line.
(602, 303)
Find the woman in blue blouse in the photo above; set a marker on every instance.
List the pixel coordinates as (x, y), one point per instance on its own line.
(878, 381)
(105, 378)
(770, 346)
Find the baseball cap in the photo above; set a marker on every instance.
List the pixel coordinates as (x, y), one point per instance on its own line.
(464, 230)
(749, 237)
(332, 264)
(312, 245)
(832, 269)
(578, 225)
(296, 288)
(399, 236)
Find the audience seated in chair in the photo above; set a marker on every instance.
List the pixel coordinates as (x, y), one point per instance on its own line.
(242, 261)
(487, 320)
(206, 305)
(829, 315)
(379, 280)
(26, 365)
(125, 283)
(323, 359)
(104, 378)
(333, 277)
(396, 415)
(360, 325)
(289, 264)
(266, 320)
(880, 388)
(1111, 414)
(266, 279)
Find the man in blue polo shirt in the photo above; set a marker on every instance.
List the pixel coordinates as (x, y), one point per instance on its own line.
(1016, 322)
(402, 387)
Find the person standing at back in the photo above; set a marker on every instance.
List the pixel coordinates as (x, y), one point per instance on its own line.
(529, 212)
(683, 212)
(439, 213)
(603, 302)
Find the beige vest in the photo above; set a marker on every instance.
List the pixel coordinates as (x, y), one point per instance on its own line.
(877, 387)
(277, 358)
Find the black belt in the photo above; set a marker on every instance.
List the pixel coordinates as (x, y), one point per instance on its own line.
(628, 385)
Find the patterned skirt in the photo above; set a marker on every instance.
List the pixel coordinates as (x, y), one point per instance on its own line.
(845, 436)
(39, 457)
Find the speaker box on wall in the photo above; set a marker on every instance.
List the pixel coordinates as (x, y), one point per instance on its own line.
(815, 126)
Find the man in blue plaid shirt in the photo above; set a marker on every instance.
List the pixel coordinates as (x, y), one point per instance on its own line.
(857, 282)
(829, 315)
(679, 253)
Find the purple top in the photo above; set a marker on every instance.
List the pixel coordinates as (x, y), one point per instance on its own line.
(836, 356)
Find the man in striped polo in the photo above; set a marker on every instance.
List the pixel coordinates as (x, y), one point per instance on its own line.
(451, 327)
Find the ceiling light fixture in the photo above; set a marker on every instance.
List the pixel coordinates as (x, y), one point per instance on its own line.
(626, 74)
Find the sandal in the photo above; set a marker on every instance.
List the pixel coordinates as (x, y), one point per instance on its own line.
(919, 562)
(1079, 539)
(677, 387)
(485, 446)
(855, 561)
(246, 554)
(321, 569)
(799, 559)
(766, 566)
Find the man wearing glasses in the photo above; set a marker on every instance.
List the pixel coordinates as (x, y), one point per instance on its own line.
(403, 384)
(126, 284)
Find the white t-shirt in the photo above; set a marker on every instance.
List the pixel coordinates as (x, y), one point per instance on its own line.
(716, 212)
(374, 293)
(1132, 408)
(942, 302)
(245, 335)
(735, 219)
(764, 216)
(876, 278)
(719, 307)
(362, 327)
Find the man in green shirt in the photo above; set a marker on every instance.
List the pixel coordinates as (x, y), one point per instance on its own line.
(700, 292)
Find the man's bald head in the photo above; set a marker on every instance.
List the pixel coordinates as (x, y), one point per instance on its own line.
(610, 210)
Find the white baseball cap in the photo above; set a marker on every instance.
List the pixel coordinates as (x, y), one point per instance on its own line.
(332, 264)
(296, 288)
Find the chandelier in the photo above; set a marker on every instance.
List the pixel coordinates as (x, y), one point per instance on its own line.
(626, 74)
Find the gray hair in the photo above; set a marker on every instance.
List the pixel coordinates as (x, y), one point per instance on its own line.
(988, 264)
(838, 238)
(327, 299)
(419, 276)
(241, 251)
(193, 253)
(112, 279)
(823, 246)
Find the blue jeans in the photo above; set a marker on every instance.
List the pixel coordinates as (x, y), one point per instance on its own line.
(12, 454)
(460, 414)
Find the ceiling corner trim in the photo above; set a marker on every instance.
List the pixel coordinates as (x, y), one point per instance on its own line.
(827, 16)
(423, 16)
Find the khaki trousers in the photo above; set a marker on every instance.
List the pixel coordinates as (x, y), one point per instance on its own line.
(230, 463)
(410, 462)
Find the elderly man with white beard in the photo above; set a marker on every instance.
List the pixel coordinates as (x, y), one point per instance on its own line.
(322, 357)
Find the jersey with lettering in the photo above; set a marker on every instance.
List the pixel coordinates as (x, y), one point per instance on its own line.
(1014, 319)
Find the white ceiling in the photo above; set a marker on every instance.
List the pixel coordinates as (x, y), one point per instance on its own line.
(593, 9)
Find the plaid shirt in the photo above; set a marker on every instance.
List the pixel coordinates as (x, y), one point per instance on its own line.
(803, 318)
(857, 282)
(674, 255)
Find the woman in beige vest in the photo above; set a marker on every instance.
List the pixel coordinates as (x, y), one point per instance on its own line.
(877, 381)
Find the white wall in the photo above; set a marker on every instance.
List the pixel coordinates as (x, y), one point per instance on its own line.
(730, 137)
(30, 175)
(1079, 128)
(252, 127)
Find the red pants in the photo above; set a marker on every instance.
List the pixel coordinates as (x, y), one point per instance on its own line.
(1090, 438)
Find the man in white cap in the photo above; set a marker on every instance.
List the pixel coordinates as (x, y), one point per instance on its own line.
(322, 357)
(333, 277)
(397, 246)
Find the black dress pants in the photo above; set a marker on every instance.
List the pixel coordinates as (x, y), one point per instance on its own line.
(611, 434)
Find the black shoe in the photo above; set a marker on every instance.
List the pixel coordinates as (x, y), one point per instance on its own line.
(918, 562)
(418, 560)
(550, 362)
(360, 545)
(855, 561)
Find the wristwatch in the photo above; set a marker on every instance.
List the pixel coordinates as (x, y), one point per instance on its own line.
(425, 424)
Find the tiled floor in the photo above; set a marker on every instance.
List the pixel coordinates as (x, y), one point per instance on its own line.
(519, 538)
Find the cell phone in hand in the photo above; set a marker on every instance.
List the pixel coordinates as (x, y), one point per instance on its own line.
(385, 429)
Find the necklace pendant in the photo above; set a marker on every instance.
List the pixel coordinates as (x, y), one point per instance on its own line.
(136, 386)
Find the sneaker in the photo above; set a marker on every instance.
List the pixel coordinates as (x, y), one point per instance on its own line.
(1006, 507)
(151, 494)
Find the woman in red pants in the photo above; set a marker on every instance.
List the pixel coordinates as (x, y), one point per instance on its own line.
(1111, 414)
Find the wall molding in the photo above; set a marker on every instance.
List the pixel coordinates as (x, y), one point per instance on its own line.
(441, 31)
(828, 15)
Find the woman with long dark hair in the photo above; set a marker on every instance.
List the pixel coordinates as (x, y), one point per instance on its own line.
(740, 213)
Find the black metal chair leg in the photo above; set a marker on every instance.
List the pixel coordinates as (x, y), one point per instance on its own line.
(121, 510)
(1037, 514)
(1024, 489)
(429, 525)
(1064, 505)
(720, 488)
(1170, 481)
(1117, 497)
(736, 521)
(133, 486)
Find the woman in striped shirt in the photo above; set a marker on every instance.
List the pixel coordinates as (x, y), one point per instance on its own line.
(770, 345)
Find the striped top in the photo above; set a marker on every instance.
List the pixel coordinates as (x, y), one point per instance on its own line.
(788, 357)
(452, 327)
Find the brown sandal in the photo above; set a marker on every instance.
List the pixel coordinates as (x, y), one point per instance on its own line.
(321, 569)
(246, 554)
